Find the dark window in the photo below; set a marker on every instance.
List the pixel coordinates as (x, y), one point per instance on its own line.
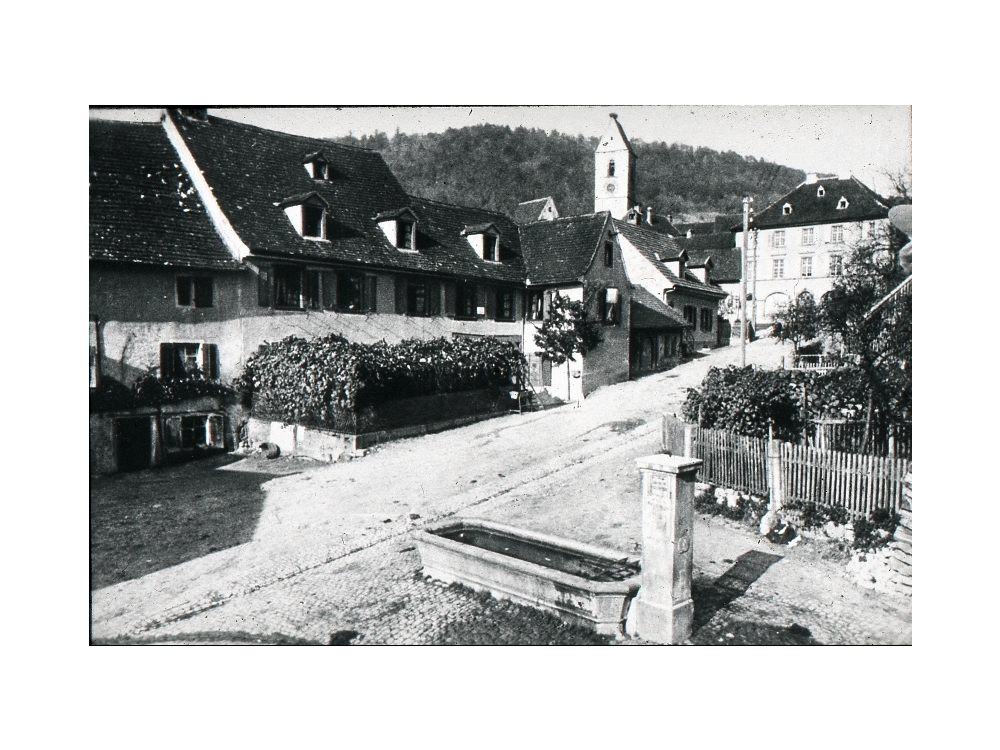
(491, 247)
(312, 221)
(416, 299)
(836, 265)
(609, 254)
(194, 291)
(287, 286)
(611, 168)
(465, 303)
(691, 314)
(320, 170)
(350, 292)
(505, 304)
(404, 234)
(707, 318)
(311, 289)
(193, 432)
(536, 306)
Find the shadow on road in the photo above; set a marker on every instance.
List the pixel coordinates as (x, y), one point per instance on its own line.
(144, 521)
(710, 598)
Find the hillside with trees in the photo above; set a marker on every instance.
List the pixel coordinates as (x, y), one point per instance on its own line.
(497, 167)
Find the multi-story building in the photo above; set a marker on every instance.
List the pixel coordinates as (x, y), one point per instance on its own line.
(799, 243)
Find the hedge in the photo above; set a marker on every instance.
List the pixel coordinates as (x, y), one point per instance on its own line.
(316, 382)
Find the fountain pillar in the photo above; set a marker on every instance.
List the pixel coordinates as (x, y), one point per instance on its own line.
(663, 610)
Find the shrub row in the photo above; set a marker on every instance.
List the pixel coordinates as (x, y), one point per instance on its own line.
(746, 400)
(312, 382)
(149, 390)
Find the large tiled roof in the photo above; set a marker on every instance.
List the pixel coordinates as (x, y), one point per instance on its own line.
(810, 208)
(649, 311)
(657, 249)
(560, 251)
(143, 207)
(252, 170)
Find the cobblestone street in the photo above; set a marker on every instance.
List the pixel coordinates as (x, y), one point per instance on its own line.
(332, 558)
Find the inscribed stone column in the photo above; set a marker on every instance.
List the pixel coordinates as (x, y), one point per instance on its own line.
(664, 611)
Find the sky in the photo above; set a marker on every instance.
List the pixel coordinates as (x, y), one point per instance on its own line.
(863, 140)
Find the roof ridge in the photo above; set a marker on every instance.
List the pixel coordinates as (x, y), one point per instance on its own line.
(296, 136)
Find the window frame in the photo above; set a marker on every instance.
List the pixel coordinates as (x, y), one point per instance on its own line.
(707, 319)
(502, 295)
(610, 311)
(609, 254)
(491, 248)
(320, 222)
(837, 234)
(191, 356)
(778, 268)
(808, 235)
(195, 300)
(778, 238)
(836, 265)
(534, 308)
(806, 266)
(406, 240)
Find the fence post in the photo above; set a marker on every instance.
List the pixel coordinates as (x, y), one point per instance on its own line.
(688, 440)
(776, 497)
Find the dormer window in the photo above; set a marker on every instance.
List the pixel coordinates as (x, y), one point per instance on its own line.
(842, 203)
(404, 234)
(820, 191)
(786, 209)
(611, 168)
(400, 228)
(308, 214)
(485, 240)
(318, 167)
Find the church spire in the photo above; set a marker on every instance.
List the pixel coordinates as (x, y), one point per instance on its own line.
(614, 171)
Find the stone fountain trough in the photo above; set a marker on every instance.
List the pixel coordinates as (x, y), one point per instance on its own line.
(582, 584)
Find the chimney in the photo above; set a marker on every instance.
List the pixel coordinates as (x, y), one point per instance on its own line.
(844, 176)
(649, 215)
(812, 178)
(690, 233)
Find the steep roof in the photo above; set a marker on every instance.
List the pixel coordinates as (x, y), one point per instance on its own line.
(614, 138)
(649, 311)
(530, 211)
(657, 249)
(143, 207)
(252, 171)
(561, 250)
(808, 207)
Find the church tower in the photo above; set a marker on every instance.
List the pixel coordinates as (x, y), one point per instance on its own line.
(614, 172)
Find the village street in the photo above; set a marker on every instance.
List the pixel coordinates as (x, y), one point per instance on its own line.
(331, 552)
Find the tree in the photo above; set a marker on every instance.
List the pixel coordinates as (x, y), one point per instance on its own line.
(800, 320)
(566, 332)
(901, 181)
(878, 338)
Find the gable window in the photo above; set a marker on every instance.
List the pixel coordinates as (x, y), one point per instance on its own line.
(611, 168)
(178, 360)
(786, 209)
(707, 318)
(491, 247)
(405, 231)
(836, 265)
(319, 170)
(837, 233)
(820, 191)
(806, 266)
(465, 300)
(808, 236)
(609, 254)
(194, 291)
(778, 238)
(842, 203)
(779, 268)
(505, 304)
(536, 306)
(609, 307)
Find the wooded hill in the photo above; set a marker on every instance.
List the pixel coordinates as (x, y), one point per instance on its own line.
(496, 167)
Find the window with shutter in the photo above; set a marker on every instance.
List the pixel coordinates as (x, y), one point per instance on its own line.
(434, 298)
(400, 295)
(371, 293)
(465, 301)
(450, 303)
(311, 289)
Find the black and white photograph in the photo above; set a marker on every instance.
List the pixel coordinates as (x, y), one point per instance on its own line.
(501, 375)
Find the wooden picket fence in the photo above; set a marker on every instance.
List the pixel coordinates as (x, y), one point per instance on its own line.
(858, 483)
(731, 460)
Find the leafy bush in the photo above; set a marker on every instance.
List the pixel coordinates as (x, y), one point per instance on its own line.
(813, 515)
(875, 532)
(150, 390)
(110, 395)
(736, 506)
(747, 400)
(310, 382)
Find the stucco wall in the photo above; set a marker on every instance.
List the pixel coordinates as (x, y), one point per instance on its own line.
(678, 298)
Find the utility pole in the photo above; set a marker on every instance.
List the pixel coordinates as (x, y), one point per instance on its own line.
(743, 282)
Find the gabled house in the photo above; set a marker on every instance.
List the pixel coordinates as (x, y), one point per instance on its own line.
(578, 258)
(660, 265)
(799, 242)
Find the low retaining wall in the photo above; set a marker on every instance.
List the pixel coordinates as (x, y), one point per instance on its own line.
(393, 420)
